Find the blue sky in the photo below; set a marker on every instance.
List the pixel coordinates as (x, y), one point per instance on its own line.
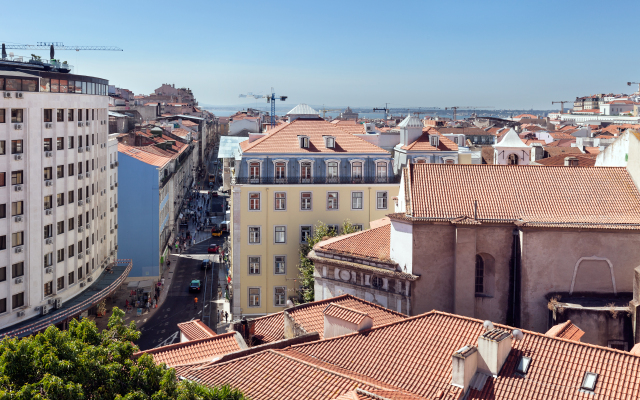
(505, 54)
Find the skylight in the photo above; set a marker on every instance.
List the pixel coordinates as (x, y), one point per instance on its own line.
(523, 365)
(589, 381)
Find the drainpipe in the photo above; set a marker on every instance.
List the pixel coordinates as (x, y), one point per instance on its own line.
(513, 308)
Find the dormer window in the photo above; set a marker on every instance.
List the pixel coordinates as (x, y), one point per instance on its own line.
(589, 381)
(329, 142)
(434, 140)
(304, 142)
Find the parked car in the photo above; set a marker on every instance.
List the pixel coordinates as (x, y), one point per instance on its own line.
(206, 264)
(194, 286)
(213, 248)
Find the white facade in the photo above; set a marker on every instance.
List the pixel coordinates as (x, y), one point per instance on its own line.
(55, 194)
(511, 150)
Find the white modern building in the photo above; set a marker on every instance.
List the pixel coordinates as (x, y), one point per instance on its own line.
(58, 188)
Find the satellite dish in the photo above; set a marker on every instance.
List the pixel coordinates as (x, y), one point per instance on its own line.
(517, 334)
(488, 325)
(11, 54)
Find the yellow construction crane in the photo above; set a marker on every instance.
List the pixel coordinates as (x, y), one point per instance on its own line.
(455, 109)
(561, 105)
(325, 111)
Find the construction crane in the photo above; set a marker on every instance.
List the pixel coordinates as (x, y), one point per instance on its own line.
(455, 109)
(271, 98)
(561, 105)
(324, 111)
(58, 46)
(634, 83)
(385, 109)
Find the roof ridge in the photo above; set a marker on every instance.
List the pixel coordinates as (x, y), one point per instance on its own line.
(346, 308)
(340, 238)
(268, 135)
(184, 344)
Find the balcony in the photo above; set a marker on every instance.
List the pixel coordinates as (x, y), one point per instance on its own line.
(294, 180)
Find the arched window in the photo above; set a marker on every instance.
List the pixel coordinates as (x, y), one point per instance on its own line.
(513, 159)
(479, 274)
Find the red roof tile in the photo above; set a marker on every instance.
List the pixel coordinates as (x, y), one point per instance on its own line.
(345, 313)
(194, 351)
(584, 160)
(195, 329)
(142, 154)
(562, 150)
(284, 139)
(423, 143)
(566, 330)
(371, 243)
(270, 328)
(551, 196)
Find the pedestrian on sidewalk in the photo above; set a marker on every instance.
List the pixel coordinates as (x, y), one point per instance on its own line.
(195, 302)
(148, 306)
(226, 316)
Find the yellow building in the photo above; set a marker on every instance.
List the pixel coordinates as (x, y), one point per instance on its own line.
(287, 181)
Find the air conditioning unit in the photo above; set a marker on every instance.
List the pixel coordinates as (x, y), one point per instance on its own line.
(44, 309)
(18, 249)
(87, 148)
(87, 252)
(80, 149)
(18, 95)
(115, 184)
(116, 226)
(17, 157)
(112, 209)
(80, 124)
(111, 230)
(116, 247)
(80, 229)
(116, 163)
(48, 125)
(17, 127)
(18, 218)
(88, 200)
(79, 256)
(101, 216)
(58, 302)
(48, 183)
(48, 241)
(88, 174)
(88, 226)
(18, 188)
(48, 212)
(101, 240)
(112, 166)
(82, 284)
(7, 95)
(48, 270)
(18, 280)
(89, 279)
(88, 123)
(48, 154)
(112, 251)
(20, 314)
(111, 187)
(80, 202)
(80, 176)
(51, 301)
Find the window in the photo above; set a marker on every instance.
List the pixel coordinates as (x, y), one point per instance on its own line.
(589, 381)
(332, 200)
(79, 140)
(80, 273)
(17, 239)
(281, 234)
(3, 114)
(381, 172)
(479, 274)
(55, 85)
(254, 297)
(281, 201)
(330, 142)
(377, 282)
(305, 201)
(280, 292)
(333, 228)
(48, 231)
(254, 201)
(71, 224)
(60, 227)
(70, 196)
(70, 168)
(48, 115)
(3, 181)
(358, 227)
(71, 278)
(16, 116)
(3, 274)
(523, 365)
(305, 233)
(60, 171)
(332, 171)
(47, 202)
(3, 211)
(16, 177)
(356, 171)
(16, 147)
(87, 114)
(381, 200)
(254, 234)
(513, 159)
(79, 110)
(60, 283)
(60, 115)
(17, 208)
(3, 305)
(48, 144)
(80, 165)
(304, 142)
(17, 270)
(17, 300)
(356, 200)
(3, 242)
(254, 172)
(79, 247)
(3, 147)
(254, 265)
(71, 251)
(48, 288)
(70, 115)
(305, 172)
(60, 199)
(280, 171)
(280, 266)
(70, 140)
(48, 173)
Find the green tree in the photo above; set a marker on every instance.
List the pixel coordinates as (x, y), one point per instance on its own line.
(320, 232)
(83, 363)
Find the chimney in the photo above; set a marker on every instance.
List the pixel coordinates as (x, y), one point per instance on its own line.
(494, 347)
(465, 365)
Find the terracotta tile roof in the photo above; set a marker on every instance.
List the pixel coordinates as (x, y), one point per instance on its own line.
(194, 351)
(415, 355)
(195, 329)
(635, 350)
(360, 394)
(562, 142)
(423, 143)
(466, 131)
(487, 155)
(189, 123)
(566, 330)
(284, 139)
(592, 150)
(345, 313)
(310, 316)
(371, 243)
(551, 196)
(591, 111)
(530, 141)
(180, 132)
(142, 154)
(557, 135)
(557, 150)
(531, 116)
(584, 160)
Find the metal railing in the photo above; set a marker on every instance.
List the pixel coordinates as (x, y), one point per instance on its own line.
(295, 180)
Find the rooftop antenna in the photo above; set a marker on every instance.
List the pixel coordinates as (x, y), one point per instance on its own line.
(4, 51)
(52, 52)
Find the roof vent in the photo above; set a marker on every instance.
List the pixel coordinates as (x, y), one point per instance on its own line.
(517, 334)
